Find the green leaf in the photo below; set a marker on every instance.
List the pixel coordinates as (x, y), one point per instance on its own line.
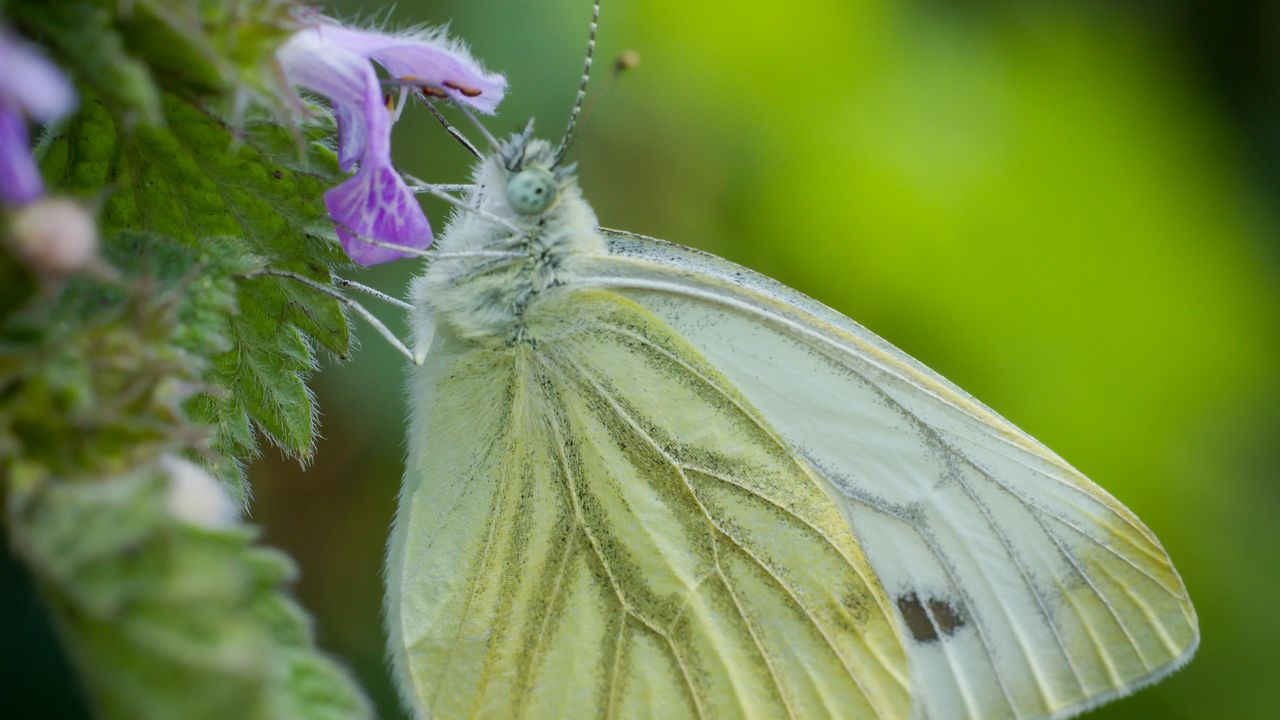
(168, 620)
(93, 384)
(194, 181)
(176, 343)
(209, 45)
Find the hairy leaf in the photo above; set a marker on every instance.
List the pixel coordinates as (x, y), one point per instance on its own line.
(176, 342)
(194, 181)
(166, 619)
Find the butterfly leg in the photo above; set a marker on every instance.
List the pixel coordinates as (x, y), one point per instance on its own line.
(454, 132)
(435, 191)
(371, 292)
(348, 302)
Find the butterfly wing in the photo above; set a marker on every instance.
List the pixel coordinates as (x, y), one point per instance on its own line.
(1021, 589)
(599, 525)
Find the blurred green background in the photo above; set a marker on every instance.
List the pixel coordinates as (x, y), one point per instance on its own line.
(1071, 209)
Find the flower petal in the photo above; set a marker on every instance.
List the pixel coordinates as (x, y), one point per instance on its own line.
(30, 84)
(340, 75)
(336, 62)
(20, 180)
(424, 58)
(346, 78)
(377, 204)
(352, 136)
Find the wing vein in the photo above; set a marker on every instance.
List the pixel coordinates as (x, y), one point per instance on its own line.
(1107, 547)
(573, 494)
(556, 587)
(475, 587)
(729, 481)
(626, 417)
(708, 382)
(1045, 615)
(1146, 610)
(978, 622)
(792, 326)
(995, 529)
(773, 672)
(1151, 550)
(1107, 660)
(616, 663)
(1035, 510)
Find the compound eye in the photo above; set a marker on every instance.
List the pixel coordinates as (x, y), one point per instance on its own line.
(531, 191)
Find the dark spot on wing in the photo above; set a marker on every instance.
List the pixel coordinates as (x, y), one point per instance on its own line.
(925, 620)
(945, 616)
(916, 618)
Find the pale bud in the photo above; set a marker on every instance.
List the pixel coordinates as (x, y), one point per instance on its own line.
(54, 236)
(196, 497)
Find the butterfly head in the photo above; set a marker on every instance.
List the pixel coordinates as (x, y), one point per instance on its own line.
(523, 229)
(535, 179)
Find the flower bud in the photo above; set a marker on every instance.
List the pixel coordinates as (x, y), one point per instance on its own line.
(54, 236)
(196, 497)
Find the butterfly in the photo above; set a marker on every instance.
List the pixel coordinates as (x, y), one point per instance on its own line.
(643, 481)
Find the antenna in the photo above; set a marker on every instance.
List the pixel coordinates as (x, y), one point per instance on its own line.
(582, 87)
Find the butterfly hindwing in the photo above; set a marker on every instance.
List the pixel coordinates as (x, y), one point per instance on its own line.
(615, 531)
(1021, 588)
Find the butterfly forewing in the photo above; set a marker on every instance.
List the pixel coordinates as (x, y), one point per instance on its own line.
(1022, 589)
(615, 531)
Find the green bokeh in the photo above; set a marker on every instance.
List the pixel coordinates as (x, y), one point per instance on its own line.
(1040, 201)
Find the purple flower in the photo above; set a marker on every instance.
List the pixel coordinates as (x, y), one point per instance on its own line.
(335, 61)
(30, 88)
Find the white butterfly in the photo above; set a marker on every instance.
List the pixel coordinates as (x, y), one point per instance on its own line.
(646, 482)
